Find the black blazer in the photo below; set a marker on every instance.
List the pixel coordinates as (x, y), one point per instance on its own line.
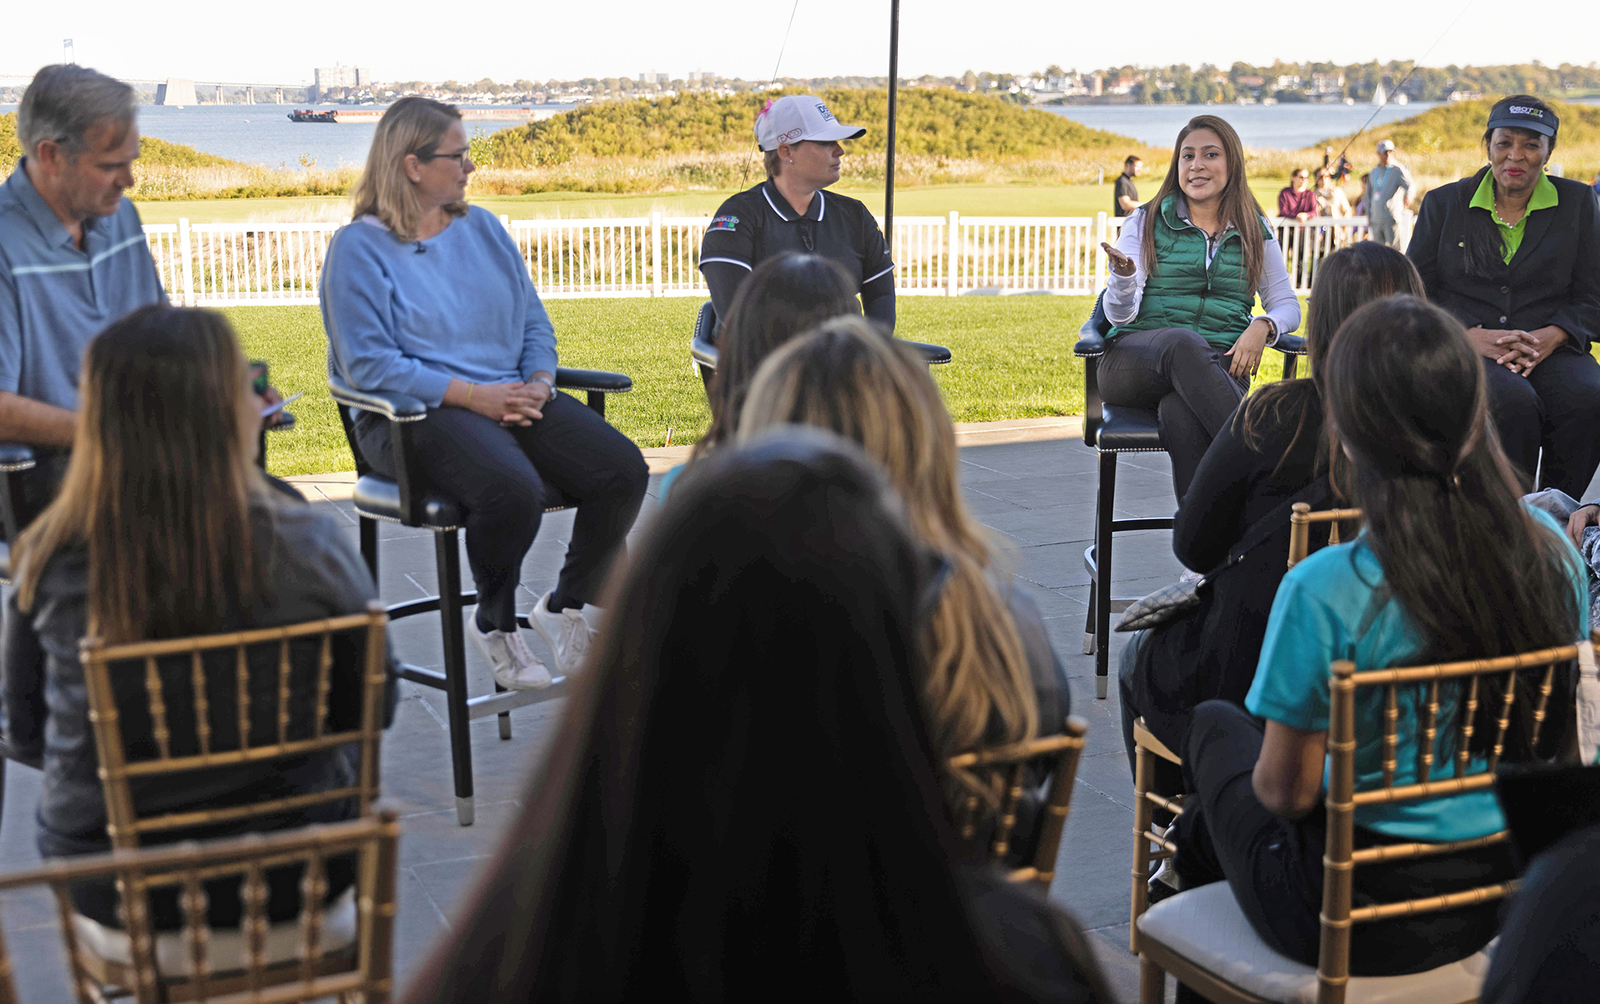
(1553, 279)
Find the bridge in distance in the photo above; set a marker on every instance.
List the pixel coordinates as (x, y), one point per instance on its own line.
(182, 91)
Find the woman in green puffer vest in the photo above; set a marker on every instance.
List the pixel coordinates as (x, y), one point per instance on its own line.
(1185, 272)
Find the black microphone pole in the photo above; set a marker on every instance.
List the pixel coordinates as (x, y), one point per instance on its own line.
(894, 87)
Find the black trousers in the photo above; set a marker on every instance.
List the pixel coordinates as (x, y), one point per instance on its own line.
(1182, 378)
(1556, 408)
(1274, 866)
(505, 477)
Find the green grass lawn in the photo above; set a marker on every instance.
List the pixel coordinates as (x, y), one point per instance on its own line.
(919, 200)
(1012, 359)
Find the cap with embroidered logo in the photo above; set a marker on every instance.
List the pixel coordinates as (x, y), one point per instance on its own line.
(1517, 113)
(797, 117)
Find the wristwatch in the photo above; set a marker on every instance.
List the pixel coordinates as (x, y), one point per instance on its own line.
(547, 382)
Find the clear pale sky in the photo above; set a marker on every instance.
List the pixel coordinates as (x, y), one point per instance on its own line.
(542, 40)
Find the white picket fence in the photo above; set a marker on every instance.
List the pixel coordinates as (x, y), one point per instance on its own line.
(237, 264)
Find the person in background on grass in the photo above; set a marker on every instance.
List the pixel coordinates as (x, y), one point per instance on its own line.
(1514, 254)
(991, 678)
(1125, 198)
(1449, 566)
(741, 788)
(1388, 194)
(1297, 201)
(1185, 273)
(1331, 200)
(427, 296)
(168, 420)
(792, 211)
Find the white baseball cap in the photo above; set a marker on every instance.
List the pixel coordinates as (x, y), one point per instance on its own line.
(797, 117)
(1385, 145)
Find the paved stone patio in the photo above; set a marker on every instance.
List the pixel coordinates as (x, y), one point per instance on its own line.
(1032, 482)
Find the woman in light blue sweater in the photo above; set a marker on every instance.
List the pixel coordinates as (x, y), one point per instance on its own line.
(426, 296)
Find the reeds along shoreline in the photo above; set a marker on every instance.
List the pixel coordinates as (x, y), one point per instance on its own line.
(727, 171)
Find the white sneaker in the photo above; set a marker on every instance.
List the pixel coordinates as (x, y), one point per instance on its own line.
(568, 633)
(513, 665)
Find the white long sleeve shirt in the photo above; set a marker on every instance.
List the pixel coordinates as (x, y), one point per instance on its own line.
(1124, 294)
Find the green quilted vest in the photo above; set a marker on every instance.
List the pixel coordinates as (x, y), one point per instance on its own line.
(1216, 303)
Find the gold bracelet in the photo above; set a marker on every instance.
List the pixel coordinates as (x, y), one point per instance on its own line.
(470, 388)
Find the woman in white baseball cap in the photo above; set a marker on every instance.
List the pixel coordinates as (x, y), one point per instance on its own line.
(791, 211)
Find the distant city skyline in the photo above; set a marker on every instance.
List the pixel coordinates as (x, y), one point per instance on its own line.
(506, 42)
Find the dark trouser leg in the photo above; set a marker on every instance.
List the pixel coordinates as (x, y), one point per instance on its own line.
(1518, 417)
(1568, 385)
(601, 471)
(1141, 368)
(1232, 836)
(482, 466)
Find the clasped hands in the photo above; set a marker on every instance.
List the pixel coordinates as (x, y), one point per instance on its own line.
(517, 403)
(1517, 350)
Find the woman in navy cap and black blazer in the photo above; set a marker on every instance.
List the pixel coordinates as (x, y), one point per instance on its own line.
(790, 211)
(1515, 255)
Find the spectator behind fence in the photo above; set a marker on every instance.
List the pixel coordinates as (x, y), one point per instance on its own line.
(427, 296)
(793, 211)
(1125, 196)
(73, 257)
(1297, 201)
(164, 528)
(1515, 255)
(1387, 195)
(740, 791)
(1331, 200)
(1184, 277)
(1234, 523)
(1449, 567)
(991, 677)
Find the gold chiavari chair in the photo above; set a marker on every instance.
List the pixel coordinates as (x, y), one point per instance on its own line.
(1004, 770)
(242, 700)
(1300, 520)
(1202, 937)
(234, 966)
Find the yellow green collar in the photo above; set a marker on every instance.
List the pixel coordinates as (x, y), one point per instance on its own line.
(1544, 194)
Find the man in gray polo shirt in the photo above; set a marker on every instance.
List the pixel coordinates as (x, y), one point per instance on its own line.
(73, 256)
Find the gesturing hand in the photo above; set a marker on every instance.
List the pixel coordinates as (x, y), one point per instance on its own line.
(1246, 352)
(1120, 263)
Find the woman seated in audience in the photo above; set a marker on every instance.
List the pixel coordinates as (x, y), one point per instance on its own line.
(1272, 454)
(1450, 566)
(991, 677)
(1184, 277)
(164, 528)
(740, 792)
(426, 296)
(786, 295)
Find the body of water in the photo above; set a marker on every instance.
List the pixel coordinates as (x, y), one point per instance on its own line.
(263, 133)
(1284, 126)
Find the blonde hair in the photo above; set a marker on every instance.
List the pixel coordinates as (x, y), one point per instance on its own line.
(848, 377)
(411, 125)
(160, 483)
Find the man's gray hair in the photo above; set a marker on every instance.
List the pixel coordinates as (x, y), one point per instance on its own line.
(65, 101)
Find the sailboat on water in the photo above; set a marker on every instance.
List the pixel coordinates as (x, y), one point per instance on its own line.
(1380, 96)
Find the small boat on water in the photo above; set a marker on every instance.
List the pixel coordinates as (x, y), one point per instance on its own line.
(310, 115)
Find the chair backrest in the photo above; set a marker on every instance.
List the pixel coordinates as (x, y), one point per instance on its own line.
(1004, 769)
(220, 975)
(166, 708)
(1433, 780)
(1300, 520)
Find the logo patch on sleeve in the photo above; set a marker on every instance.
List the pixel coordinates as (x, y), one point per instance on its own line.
(728, 223)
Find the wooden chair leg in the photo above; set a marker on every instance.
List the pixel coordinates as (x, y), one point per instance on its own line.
(1152, 982)
(1139, 899)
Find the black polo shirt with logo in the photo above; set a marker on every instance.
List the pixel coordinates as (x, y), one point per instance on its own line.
(754, 225)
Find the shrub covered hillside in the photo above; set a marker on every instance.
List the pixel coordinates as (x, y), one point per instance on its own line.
(152, 151)
(1458, 126)
(937, 123)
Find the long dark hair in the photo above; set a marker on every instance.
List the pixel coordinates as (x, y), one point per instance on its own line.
(1482, 256)
(160, 483)
(1347, 280)
(742, 786)
(1239, 206)
(787, 294)
(1407, 399)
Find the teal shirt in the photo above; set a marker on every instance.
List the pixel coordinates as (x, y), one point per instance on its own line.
(1325, 610)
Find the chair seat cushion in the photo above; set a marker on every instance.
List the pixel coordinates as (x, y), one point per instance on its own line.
(379, 497)
(1206, 926)
(1126, 430)
(225, 947)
